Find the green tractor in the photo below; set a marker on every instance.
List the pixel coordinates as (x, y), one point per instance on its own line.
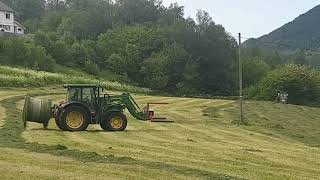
(84, 105)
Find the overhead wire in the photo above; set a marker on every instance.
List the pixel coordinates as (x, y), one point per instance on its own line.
(276, 44)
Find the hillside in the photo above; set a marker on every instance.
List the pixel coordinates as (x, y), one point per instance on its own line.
(21, 77)
(281, 142)
(303, 32)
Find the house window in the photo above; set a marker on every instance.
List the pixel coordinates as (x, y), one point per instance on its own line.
(7, 28)
(19, 29)
(8, 15)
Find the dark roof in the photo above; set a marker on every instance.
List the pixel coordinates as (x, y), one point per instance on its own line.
(20, 25)
(4, 7)
(80, 85)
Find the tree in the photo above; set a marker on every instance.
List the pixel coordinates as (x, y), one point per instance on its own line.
(138, 11)
(140, 41)
(190, 80)
(116, 63)
(17, 51)
(60, 52)
(91, 67)
(204, 20)
(79, 55)
(299, 57)
(313, 61)
(155, 71)
(51, 21)
(56, 4)
(254, 70)
(173, 14)
(27, 9)
(133, 44)
(300, 82)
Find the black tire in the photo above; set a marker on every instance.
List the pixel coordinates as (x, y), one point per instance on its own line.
(74, 118)
(108, 123)
(57, 120)
(58, 124)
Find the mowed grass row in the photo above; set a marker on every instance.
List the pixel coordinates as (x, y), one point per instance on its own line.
(202, 137)
(17, 77)
(23, 164)
(19, 160)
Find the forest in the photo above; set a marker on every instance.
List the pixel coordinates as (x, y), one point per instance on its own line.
(144, 43)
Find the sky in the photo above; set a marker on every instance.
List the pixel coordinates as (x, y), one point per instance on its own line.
(253, 18)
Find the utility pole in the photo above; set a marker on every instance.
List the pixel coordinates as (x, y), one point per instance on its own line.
(240, 82)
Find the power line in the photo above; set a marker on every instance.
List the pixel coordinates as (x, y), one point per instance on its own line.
(276, 44)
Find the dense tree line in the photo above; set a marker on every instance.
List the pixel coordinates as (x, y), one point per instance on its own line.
(22, 52)
(139, 42)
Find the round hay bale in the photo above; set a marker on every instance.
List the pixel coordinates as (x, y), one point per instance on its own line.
(37, 110)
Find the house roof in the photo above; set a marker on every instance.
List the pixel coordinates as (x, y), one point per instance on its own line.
(4, 7)
(20, 25)
(80, 86)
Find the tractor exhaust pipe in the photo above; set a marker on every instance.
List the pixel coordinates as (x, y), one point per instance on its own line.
(37, 110)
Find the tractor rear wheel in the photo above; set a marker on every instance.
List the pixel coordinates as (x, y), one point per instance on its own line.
(115, 121)
(74, 118)
(59, 124)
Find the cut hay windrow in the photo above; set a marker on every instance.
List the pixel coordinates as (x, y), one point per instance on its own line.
(16, 77)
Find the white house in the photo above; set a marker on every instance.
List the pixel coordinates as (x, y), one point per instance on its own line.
(7, 22)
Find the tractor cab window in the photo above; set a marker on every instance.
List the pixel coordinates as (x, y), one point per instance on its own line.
(88, 95)
(74, 94)
(102, 91)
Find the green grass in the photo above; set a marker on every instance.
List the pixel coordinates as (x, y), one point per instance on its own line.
(10, 137)
(203, 143)
(299, 123)
(19, 77)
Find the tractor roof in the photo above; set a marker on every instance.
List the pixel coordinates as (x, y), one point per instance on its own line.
(81, 86)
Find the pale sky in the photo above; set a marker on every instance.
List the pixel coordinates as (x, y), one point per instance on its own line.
(253, 18)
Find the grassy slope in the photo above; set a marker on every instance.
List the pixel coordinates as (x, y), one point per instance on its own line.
(298, 123)
(202, 143)
(20, 77)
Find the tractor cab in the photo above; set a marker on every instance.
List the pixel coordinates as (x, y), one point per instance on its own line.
(84, 94)
(87, 94)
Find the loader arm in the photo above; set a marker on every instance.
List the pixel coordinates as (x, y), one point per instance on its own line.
(131, 105)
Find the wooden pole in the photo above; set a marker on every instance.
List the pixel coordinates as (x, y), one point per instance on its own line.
(240, 82)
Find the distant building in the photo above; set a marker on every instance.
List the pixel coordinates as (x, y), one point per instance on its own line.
(7, 21)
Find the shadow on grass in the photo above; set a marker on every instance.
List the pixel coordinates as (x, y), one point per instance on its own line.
(97, 131)
(11, 137)
(42, 129)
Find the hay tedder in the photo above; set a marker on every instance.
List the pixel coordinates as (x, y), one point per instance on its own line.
(87, 104)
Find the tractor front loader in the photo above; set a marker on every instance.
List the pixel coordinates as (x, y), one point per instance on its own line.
(84, 105)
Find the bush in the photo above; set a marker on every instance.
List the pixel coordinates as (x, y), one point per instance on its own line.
(23, 52)
(301, 83)
(254, 70)
(91, 68)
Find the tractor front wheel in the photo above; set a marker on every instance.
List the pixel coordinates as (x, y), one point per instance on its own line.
(74, 118)
(116, 121)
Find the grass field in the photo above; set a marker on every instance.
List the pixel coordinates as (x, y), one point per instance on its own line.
(280, 142)
(20, 77)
